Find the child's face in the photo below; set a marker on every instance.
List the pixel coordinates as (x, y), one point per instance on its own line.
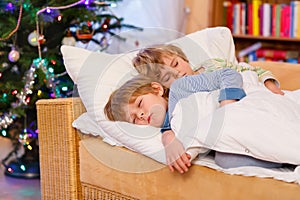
(148, 109)
(176, 63)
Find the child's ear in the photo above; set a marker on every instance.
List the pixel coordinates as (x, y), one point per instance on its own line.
(158, 87)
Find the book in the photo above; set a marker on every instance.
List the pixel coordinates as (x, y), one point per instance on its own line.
(266, 19)
(249, 49)
(277, 19)
(243, 17)
(255, 16)
(228, 14)
(285, 20)
(250, 18)
(237, 18)
(292, 22)
(297, 19)
(252, 56)
(276, 54)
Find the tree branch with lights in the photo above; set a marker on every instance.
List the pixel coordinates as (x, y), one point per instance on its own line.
(31, 65)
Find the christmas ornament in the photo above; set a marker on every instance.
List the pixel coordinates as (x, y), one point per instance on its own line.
(33, 38)
(15, 69)
(13, 55)
(69, 39)
(85, 34)
(41, 39)
(5, 65)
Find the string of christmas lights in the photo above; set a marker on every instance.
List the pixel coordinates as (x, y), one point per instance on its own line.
(48, 10)
(22, 97)
(17, 26)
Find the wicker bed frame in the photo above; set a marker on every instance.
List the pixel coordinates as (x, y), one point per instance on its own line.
(62, 169)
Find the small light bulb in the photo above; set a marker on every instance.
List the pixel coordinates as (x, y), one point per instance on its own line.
(22, 167)
(65, 88)
(29, 147)
(59, 18)
(3, 132)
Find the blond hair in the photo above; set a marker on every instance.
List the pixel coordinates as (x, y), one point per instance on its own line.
(149, 60)
(115, 108)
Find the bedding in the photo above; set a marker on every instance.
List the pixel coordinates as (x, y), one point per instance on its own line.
(262, 125)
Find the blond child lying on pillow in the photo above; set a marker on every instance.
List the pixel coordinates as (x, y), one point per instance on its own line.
(173, 58)
(142, 101)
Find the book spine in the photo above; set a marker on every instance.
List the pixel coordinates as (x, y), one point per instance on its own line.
(250, 19)
(292, 32)
(226, 14)
(274, 16)
(260, 17)
(255, 16)
(243, 18)
(271, 53)
(266, 20)
(287, 27)
(236, 18)
(249, 49)
(278, 19)
(296, 19)
(285, 21)
(276, 54)
(252, 56)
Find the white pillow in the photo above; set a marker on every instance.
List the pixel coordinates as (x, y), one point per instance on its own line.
(98, 74)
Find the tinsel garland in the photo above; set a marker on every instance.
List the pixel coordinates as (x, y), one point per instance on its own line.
(22, 97)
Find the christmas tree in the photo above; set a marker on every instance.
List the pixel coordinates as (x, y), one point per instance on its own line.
(31, 65)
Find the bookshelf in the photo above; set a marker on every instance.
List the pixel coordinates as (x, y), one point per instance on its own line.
(243, 39)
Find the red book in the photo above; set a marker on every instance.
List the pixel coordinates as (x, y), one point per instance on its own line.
(228, 11)
(285, 21)
(276, 54)
(250, 22)
(273, 30)
(260, 18)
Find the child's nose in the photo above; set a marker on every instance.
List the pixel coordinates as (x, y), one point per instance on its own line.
(141, 115)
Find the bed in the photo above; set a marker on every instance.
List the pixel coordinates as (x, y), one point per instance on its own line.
(76, 165)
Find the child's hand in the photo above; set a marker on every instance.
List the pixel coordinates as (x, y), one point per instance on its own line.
(271, 85)
(181, 164)
(175, 153)
(224, 102)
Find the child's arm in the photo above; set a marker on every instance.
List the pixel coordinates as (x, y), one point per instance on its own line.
(229, 82)
(266, 77)
(273, 86)
(176, 156)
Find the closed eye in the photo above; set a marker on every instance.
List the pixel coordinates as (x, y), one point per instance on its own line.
(166, 78)
(140, 103)
(174, 63)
